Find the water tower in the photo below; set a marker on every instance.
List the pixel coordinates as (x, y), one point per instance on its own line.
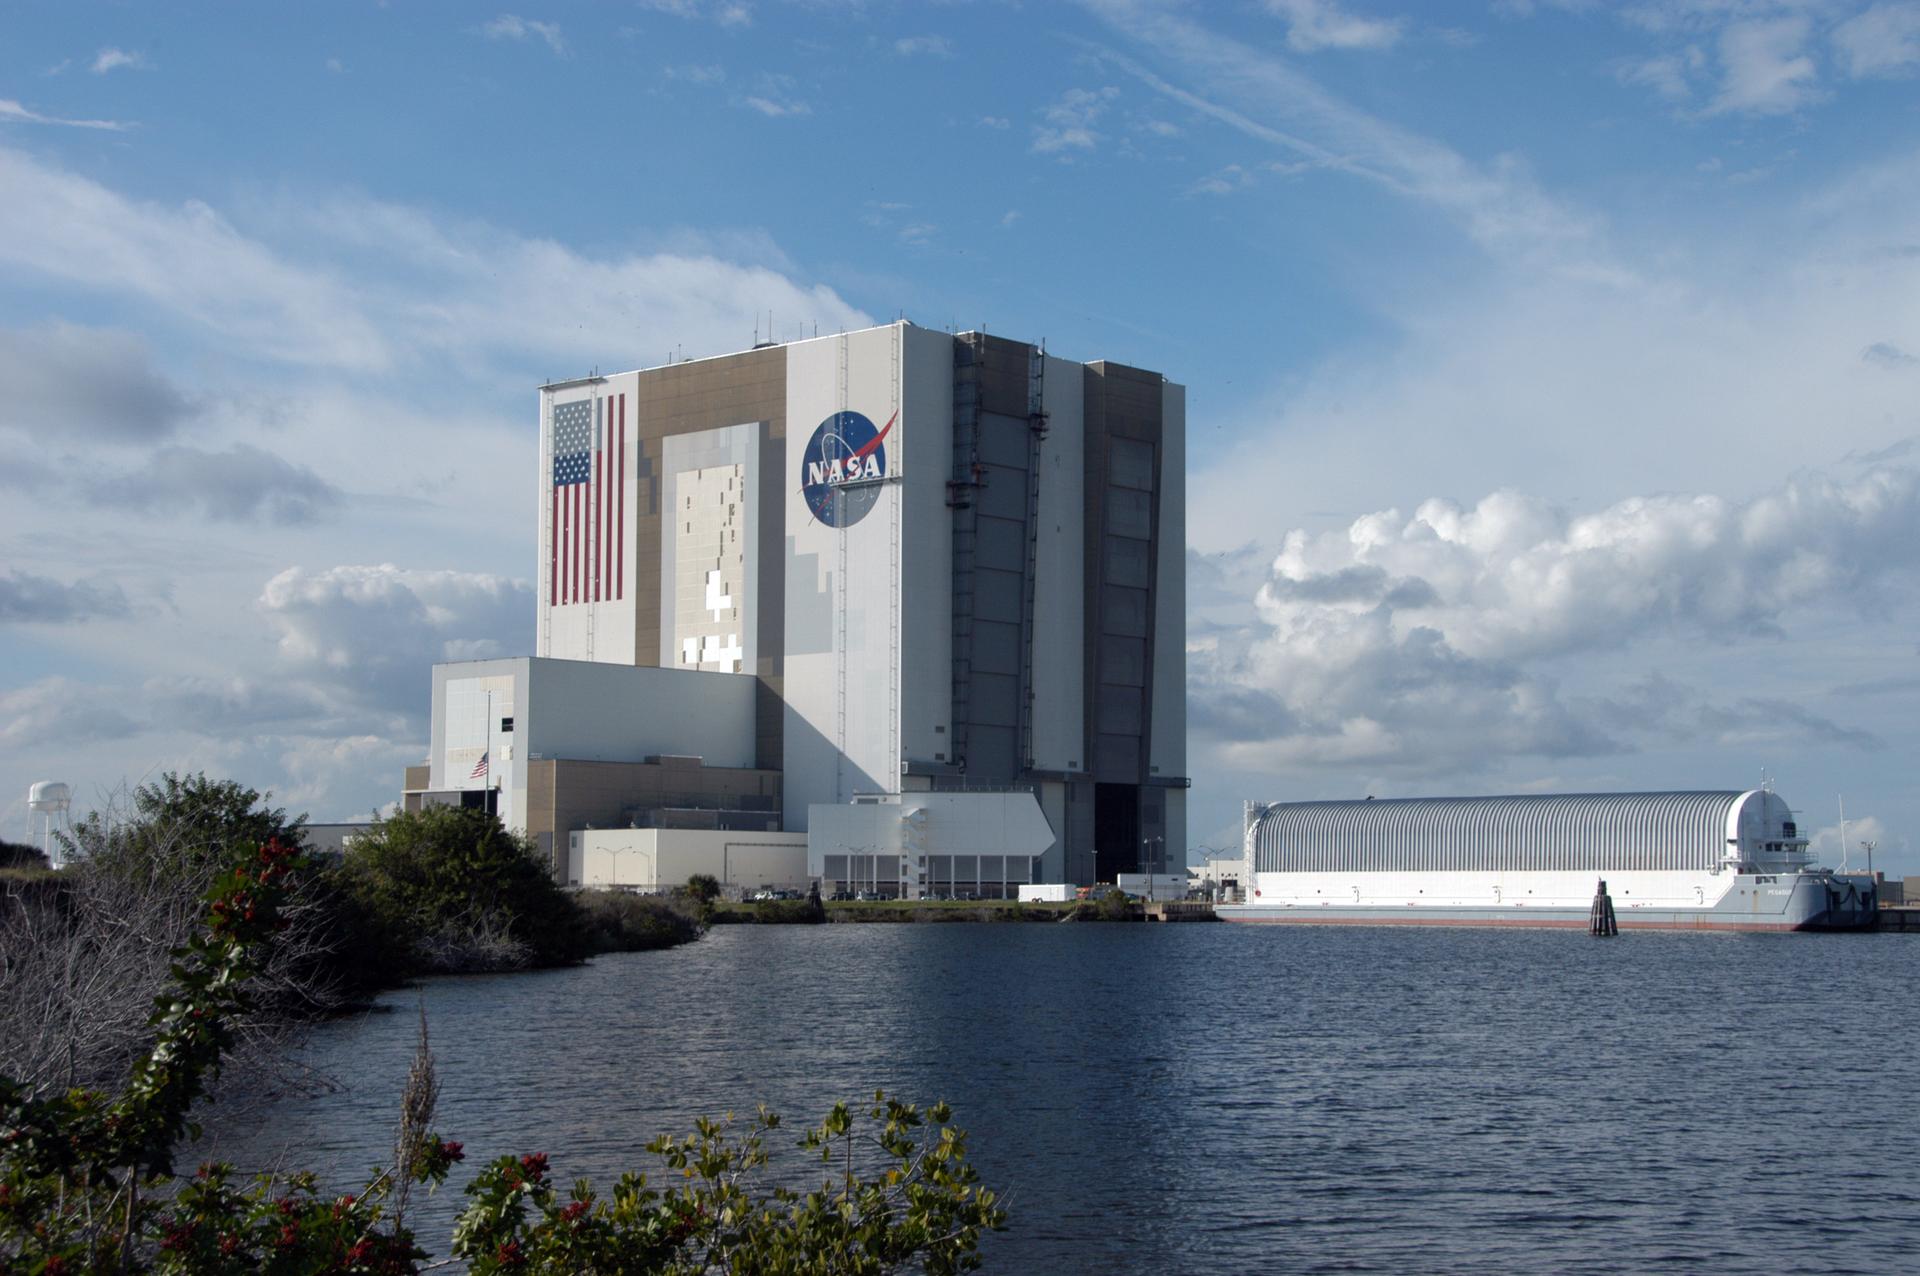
(48, 799)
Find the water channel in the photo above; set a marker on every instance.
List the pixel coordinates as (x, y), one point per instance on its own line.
(1224, 1098)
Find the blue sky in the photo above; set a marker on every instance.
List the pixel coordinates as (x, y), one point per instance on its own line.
(1554, 368)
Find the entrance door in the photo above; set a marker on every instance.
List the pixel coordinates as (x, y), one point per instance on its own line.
(1116, 830)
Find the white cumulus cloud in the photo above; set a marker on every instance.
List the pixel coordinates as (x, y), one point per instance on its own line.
(372, 631)
(1391, 642)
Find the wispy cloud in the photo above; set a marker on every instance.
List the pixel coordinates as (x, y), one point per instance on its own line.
(935, 46)
(1767, 70)
(186, 259)
(705, 75)
(1067, 124)
(1224, 181)
(39, 600)
(118, 60)
(12, 112)
(1313, 25)
(377, 285)
(1667, 74)
(66, 383)
(774, 109)
(725, 13)
(237, 484)
(511, 26)
(1498, 205)
(1883, 41)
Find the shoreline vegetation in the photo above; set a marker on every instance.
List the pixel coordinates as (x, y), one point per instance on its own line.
(87, 947)
(88, 1178)
(443, 891)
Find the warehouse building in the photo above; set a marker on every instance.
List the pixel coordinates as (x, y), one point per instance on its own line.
(923, 562)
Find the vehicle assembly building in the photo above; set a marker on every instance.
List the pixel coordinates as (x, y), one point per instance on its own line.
(840, 570)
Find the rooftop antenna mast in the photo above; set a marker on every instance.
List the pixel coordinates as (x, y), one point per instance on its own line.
(1842, 799)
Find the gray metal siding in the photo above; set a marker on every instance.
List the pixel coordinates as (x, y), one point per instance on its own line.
(1586, 832)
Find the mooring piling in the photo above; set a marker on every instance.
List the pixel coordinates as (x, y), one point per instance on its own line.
(1601, 923)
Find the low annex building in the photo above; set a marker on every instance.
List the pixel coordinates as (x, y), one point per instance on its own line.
(553, 746)
(886, 562)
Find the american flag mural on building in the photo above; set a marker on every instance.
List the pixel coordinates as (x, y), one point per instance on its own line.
(587, 560)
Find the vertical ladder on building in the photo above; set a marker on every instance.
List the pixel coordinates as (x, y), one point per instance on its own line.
(895, 498)
(961, 490)
(1036, 436)
(840, 786)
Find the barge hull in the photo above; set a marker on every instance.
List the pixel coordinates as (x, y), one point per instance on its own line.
(1541, 919)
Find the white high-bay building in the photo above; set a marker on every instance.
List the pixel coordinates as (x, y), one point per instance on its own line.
(949, 562)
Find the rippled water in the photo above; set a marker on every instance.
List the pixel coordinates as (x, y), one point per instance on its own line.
(1227, 1098)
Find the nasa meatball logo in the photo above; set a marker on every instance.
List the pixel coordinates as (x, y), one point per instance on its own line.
(841, 470)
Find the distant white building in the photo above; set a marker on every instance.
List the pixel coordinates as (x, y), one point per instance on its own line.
(1222, 875)
(653, 860)
(912, 845)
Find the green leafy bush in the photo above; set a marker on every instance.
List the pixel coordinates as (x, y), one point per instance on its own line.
(450, 889)
(622, 922)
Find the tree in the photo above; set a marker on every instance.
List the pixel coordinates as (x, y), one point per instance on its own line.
(85, 953)
(187, 825)
(449, 888)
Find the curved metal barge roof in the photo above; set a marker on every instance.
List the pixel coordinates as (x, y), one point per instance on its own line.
(1593, 832)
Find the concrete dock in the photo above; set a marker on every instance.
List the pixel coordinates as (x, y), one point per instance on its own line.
(1901, 917)
(1183, 910)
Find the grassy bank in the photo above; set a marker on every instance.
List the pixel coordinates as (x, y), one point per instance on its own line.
(803, 912)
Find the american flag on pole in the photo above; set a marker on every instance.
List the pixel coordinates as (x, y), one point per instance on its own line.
(479, 769)
(587, 559)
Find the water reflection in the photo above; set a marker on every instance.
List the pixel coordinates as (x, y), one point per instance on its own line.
(1209, 1098)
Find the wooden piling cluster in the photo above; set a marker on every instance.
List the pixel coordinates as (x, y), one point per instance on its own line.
(1601, 923)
